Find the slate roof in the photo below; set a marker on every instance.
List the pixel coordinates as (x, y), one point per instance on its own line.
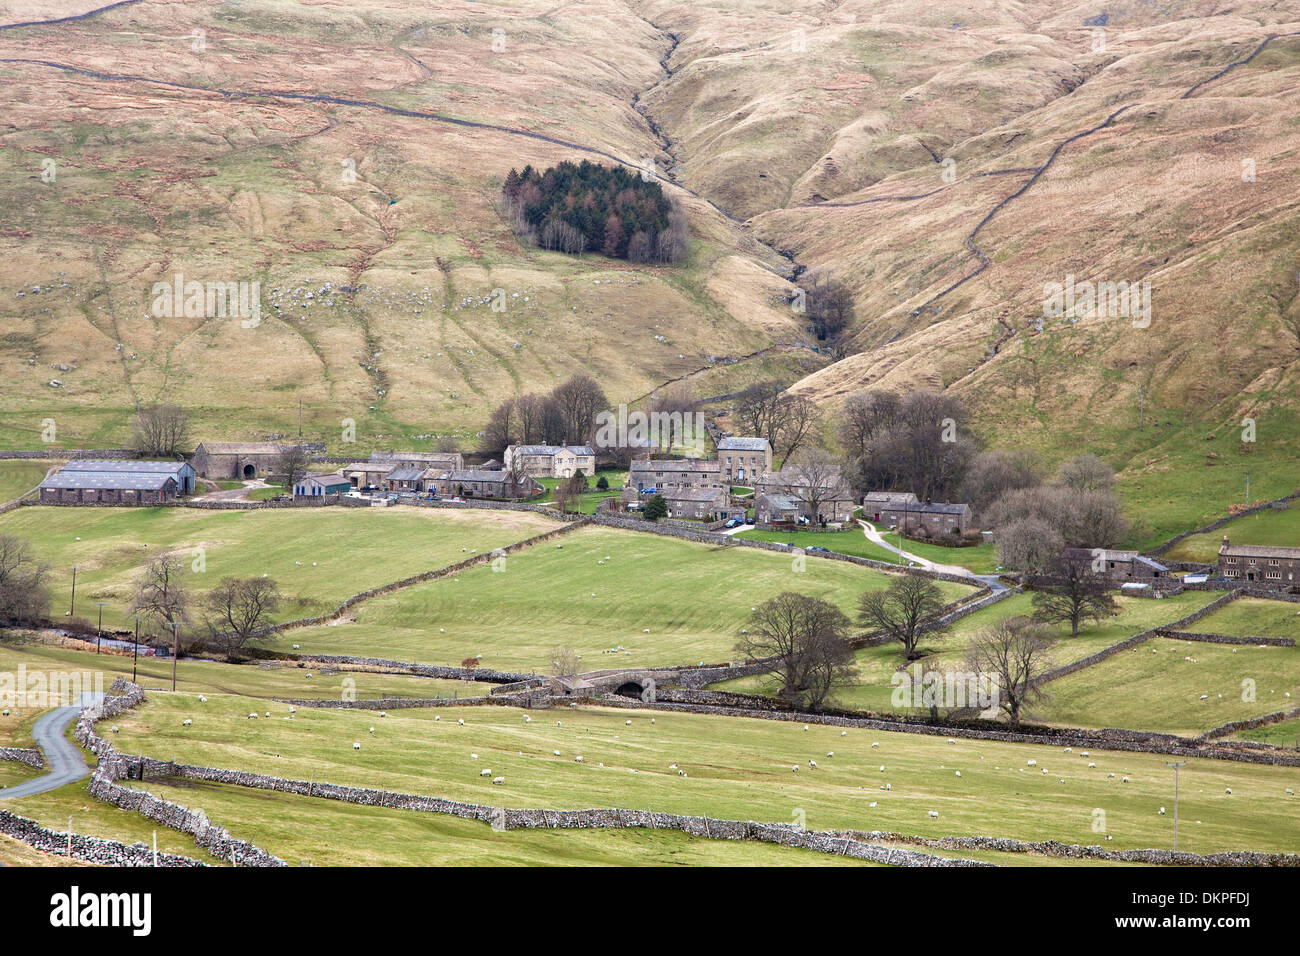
(118, 467)
(743, 444)
(405, 474)
(553, 449)
(104, 480)
(243, 447)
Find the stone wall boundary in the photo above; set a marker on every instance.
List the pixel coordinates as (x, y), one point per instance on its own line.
(30, 756)
(88, 848)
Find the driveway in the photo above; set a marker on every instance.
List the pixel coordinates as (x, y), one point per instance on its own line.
(63, 757)
(875, 537)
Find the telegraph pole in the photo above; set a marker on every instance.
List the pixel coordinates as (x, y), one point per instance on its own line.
(176, 648)
(72, 607)
(99, 631)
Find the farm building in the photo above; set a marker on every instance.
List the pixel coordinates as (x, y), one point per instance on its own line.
(829, 495)
(876, 503)
(1265, 564)
(744, 459)
(405, 479)
(480, 483)
(237, 459)
(315, 485)
(100, 487)
(701, 503)
(663, 474)
(446, 460)
(775, 508)
(931, 518)
(553, 461)
(181, 471)
(1119, 565)
(366, 474)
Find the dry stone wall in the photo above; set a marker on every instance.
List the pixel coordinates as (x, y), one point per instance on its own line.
(31, 757)
(88, 848)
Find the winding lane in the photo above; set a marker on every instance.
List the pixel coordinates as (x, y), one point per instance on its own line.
(64, 758)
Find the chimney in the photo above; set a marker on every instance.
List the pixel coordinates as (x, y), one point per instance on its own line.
(1225, 543)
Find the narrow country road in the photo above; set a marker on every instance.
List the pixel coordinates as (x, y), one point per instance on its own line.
(62, 755)
(875, 537)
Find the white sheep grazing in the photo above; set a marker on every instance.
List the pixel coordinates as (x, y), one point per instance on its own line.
(882, 768)
(1123, 780)
(1110, 776)
(252, 716)
(437, 717)
(186, 722)
(556, 752)
(577, 759)
(1090, 764)
(795, 768)
(356, 746)
(115, 728)
(875, 743)
(1031, 763)
(627, 723)
(1228, 791)
(202, 699)
(812, 763)
(498, 779)
(958, 772)
(473, 756)
(1162, 811)
(268, 713)
(372, 730)
(1044, 770)
(830, 753)
(934, 814)
(462, 721)
(1290, 792)
(381, 713)
(527, 719)
(872, 804)
(485, 773)
(805, 726)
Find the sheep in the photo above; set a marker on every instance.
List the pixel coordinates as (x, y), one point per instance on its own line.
(812, 763)
(381, 713)
(473, 756)
(372, 730)
(872, 804)
(1123, 780)
(844, 733)
(437, 717)
(462, 721)
(202, 700)
(805, 726)
(485, 773)
(830, 753)
(356, 746)
(874, 743)
(1290, 792)
(882, 768)
(795, 768)
(1091, 764)
(115, 728)
(672, 766)
(268, 713)
(934, 814)
(1162, 811)
(1031, 763)
(1228, 790)
(252, 716)
(556, 752)
(1110, 776)
(498, 779)
(627, 723)
(527, 719)
(578, 759)
(295, 647)
(186, 722)
(958, 772)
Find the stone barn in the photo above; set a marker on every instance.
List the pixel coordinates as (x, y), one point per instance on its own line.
(98, 487)
(238, 459)
(179, 470)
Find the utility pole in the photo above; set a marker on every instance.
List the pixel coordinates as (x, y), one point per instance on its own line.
(73, 606)
(176, 648)
(1247, 490)
(135, 663)
(1175, 767)
(99, 631)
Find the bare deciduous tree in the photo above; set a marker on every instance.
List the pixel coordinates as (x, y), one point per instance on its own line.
(813, 478)
(160, 595)
(903, 611)
(579, 400)
(292, 465)
(160, 431)
(1086, 472)
(1073, 590)
(1012, 650)
(803, 641)
(1028, 545)
(564, 661)
(238, 610)
(24, 588)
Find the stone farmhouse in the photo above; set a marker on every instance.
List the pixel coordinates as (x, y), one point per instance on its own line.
(697, 503)
(315, 485)
(405, 479)
(1264, 564)
(664, 474)
(552, 461)
(479, 483)
(833, 498)
(1120, 565)
(237, 459)
(773, 508)
(875, 503)
(446, 460)
(930, 518)
(744, 459)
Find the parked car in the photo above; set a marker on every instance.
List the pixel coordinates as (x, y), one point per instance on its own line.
(819, 549)
(733, 523)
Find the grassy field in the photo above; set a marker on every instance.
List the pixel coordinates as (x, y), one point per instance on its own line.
(587, 502)
(981, 559)
(692, 598)
(318, 556)
(1285, 733)
(1253, 617)
(1154, 687)
(873, 691)
(735, 768)
(18, 476)
(211, 677)
(1280, 527)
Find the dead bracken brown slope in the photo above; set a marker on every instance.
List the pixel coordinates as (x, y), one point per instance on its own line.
(945, 162)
